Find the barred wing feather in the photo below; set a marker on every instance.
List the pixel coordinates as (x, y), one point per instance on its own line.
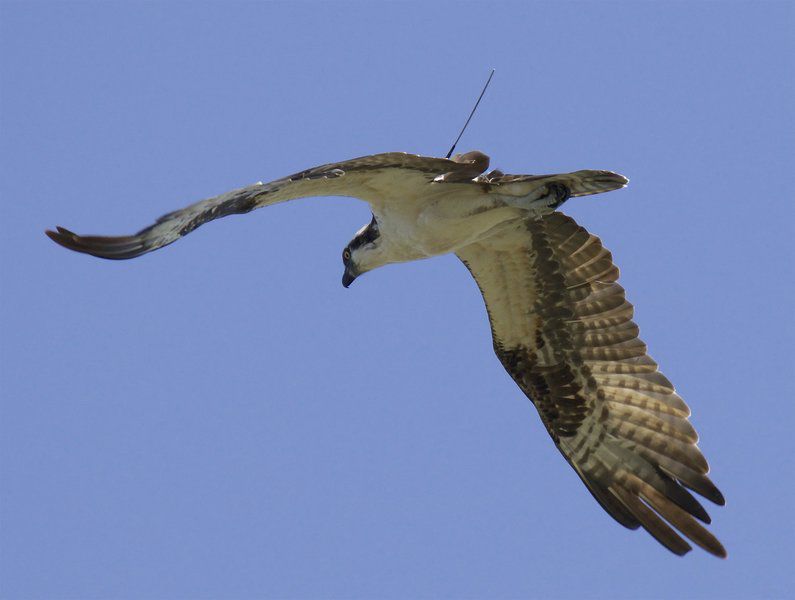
(376, 179)
(563, 330)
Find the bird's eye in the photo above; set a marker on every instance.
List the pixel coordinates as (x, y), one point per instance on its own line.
(346, 255)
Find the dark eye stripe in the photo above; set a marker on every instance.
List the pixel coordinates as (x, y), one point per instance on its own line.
(370, 234)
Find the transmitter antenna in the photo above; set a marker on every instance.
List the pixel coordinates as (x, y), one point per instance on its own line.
(483, 91)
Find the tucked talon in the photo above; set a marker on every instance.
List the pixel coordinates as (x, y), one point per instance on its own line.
(559, 192)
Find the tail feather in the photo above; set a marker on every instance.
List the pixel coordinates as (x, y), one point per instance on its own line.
(578, 183)
(587, 182)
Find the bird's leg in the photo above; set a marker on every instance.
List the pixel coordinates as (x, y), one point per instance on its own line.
(557, 193)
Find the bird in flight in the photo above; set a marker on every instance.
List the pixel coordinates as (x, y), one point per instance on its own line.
(560, 322)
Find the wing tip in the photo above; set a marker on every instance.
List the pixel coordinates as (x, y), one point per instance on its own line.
(113, 248)
(721, 552)
(712, 493)
(61, 236)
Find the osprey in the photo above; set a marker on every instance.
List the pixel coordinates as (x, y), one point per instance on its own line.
(561, 325)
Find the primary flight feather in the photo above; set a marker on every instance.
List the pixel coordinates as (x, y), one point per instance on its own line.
(561, 324)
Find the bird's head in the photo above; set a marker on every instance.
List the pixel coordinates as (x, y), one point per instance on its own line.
(363, 253)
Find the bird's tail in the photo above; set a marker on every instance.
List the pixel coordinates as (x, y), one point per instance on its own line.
(578, 183)
(587, 182)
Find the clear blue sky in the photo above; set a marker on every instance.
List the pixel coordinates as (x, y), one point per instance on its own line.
(221, 419)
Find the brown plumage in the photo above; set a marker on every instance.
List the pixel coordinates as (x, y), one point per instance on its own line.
(563, 330)
(561, 324)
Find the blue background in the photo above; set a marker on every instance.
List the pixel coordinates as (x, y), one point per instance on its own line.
(221, 419)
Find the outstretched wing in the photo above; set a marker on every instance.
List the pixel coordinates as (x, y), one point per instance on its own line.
(378, 178)
(563, 330)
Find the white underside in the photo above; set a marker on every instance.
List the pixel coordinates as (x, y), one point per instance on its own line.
(439, 218)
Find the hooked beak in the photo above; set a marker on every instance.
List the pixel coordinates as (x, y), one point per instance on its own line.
(347, 277)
